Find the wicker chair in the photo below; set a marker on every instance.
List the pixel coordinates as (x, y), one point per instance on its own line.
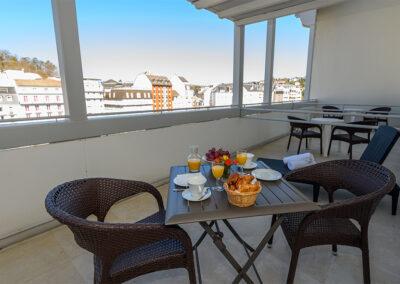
(384, 111)
(303, 130)
(332, 112)
(121, 251)
(350, 136)
(332, 225)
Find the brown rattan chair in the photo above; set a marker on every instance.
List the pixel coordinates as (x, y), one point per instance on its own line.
(332, 225)
(121, 251)
(303, 130)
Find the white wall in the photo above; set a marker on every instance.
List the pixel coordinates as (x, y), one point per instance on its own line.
(27, 174)
(357, 53)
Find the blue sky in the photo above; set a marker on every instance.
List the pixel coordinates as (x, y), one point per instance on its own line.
(121, 38)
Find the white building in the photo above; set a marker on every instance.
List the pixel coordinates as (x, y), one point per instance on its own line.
(185, 92)
(94, 95)
(9, 105)
(287, 92)
(40, 97)
(127, 100)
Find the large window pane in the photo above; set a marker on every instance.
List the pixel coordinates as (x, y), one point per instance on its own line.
(290, 63)
(30, 86)
(153, 55)
(254, 63)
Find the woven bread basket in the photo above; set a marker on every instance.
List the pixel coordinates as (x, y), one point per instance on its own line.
(241, 199)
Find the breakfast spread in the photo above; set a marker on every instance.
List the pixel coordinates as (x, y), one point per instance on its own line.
(243, 183)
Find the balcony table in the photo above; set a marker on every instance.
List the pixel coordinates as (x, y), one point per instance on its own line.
(326, 124)
(276, 198)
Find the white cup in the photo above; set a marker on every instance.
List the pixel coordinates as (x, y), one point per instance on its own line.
(249, 160)
(196, 186)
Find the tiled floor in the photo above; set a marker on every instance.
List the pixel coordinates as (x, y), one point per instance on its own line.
(53, 257)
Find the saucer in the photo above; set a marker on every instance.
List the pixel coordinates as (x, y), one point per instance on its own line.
(251, 166)
(186, 194)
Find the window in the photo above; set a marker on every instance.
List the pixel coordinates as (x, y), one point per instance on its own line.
(47, 98)
(186, 34)
(9, 98)
(254, 63)
(26, 108)
(28, 51)
(48, 107)
(290, 62)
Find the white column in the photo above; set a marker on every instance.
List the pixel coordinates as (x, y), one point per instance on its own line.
(269, 62)
(308, 19)
(238, 59)
(310, 58)
(69, 57)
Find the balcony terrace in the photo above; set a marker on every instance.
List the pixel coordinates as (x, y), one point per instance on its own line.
(353, 64)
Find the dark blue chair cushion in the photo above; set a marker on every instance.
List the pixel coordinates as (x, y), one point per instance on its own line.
(381, 145)
(276, 165)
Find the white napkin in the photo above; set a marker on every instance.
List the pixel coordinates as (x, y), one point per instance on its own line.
(299, 161)
(301, 157)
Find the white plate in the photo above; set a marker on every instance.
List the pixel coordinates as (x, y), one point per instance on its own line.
(266, 174)
(186, 194)
(252, 165)
(182, 180)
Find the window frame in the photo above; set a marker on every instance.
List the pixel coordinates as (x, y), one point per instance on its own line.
(78, 124)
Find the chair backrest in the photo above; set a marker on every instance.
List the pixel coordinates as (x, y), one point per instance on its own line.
(72, 202)
(331, 109)
(381, 145)
(368, 181)
(380, 110)
(300, 124)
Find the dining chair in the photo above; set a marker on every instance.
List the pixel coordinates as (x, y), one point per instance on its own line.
(384, 111)
(122, 251)
(303, 130)
(331, 112)
(332, 225)
(377, 151)
(350, 136)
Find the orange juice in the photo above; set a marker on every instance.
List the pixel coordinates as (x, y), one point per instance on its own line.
(241, 158)
(218, 171)
(194, 165)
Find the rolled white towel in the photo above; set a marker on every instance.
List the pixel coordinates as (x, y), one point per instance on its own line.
(298, 164)
(301, 157)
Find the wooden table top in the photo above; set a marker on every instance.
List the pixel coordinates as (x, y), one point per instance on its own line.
(276, 197)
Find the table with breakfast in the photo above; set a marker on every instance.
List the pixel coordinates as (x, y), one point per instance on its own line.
(220, 186)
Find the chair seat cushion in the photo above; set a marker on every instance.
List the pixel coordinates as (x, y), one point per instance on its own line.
(276, 165)
(346, 138)
(322, 231)
(161, 251)
(306, 134)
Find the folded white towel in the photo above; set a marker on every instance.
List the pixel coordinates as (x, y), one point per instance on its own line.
(301, 157)
(294, 164)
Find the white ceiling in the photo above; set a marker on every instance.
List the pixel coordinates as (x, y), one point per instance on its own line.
(251, 11)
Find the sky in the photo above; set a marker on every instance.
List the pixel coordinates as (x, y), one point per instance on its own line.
(122, 38)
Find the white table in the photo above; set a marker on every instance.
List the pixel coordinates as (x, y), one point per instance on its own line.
(326, 124)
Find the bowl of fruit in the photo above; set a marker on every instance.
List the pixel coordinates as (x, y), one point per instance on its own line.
(220, 156)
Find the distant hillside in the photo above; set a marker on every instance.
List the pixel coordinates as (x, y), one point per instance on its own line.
(13, 62)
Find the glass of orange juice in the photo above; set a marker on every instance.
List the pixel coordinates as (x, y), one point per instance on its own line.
(217, 169)
(241, 157)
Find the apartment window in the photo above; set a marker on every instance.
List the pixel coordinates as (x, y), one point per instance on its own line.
(26, 108)
(9, 99)
(59, 107)
(48, 107)
(35, 99)
(25, 99)
(58, 98)
(254, 63)
(47, 98)
(37, 108)
(208, 47)
(290, 62)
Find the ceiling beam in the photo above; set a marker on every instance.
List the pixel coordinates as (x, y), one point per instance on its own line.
(315, 4)
(204, 4)
(247, 7)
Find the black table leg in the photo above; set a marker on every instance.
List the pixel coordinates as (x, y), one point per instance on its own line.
(258, 250)
(203, 235)
(222, 248)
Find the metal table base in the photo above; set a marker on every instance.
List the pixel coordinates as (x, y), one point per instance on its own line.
(252, 253)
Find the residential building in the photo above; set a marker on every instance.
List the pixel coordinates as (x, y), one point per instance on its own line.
(40, 97)
(94, 95)
(9, 105)
(160, 88)
(285, 92)
(127, 99)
